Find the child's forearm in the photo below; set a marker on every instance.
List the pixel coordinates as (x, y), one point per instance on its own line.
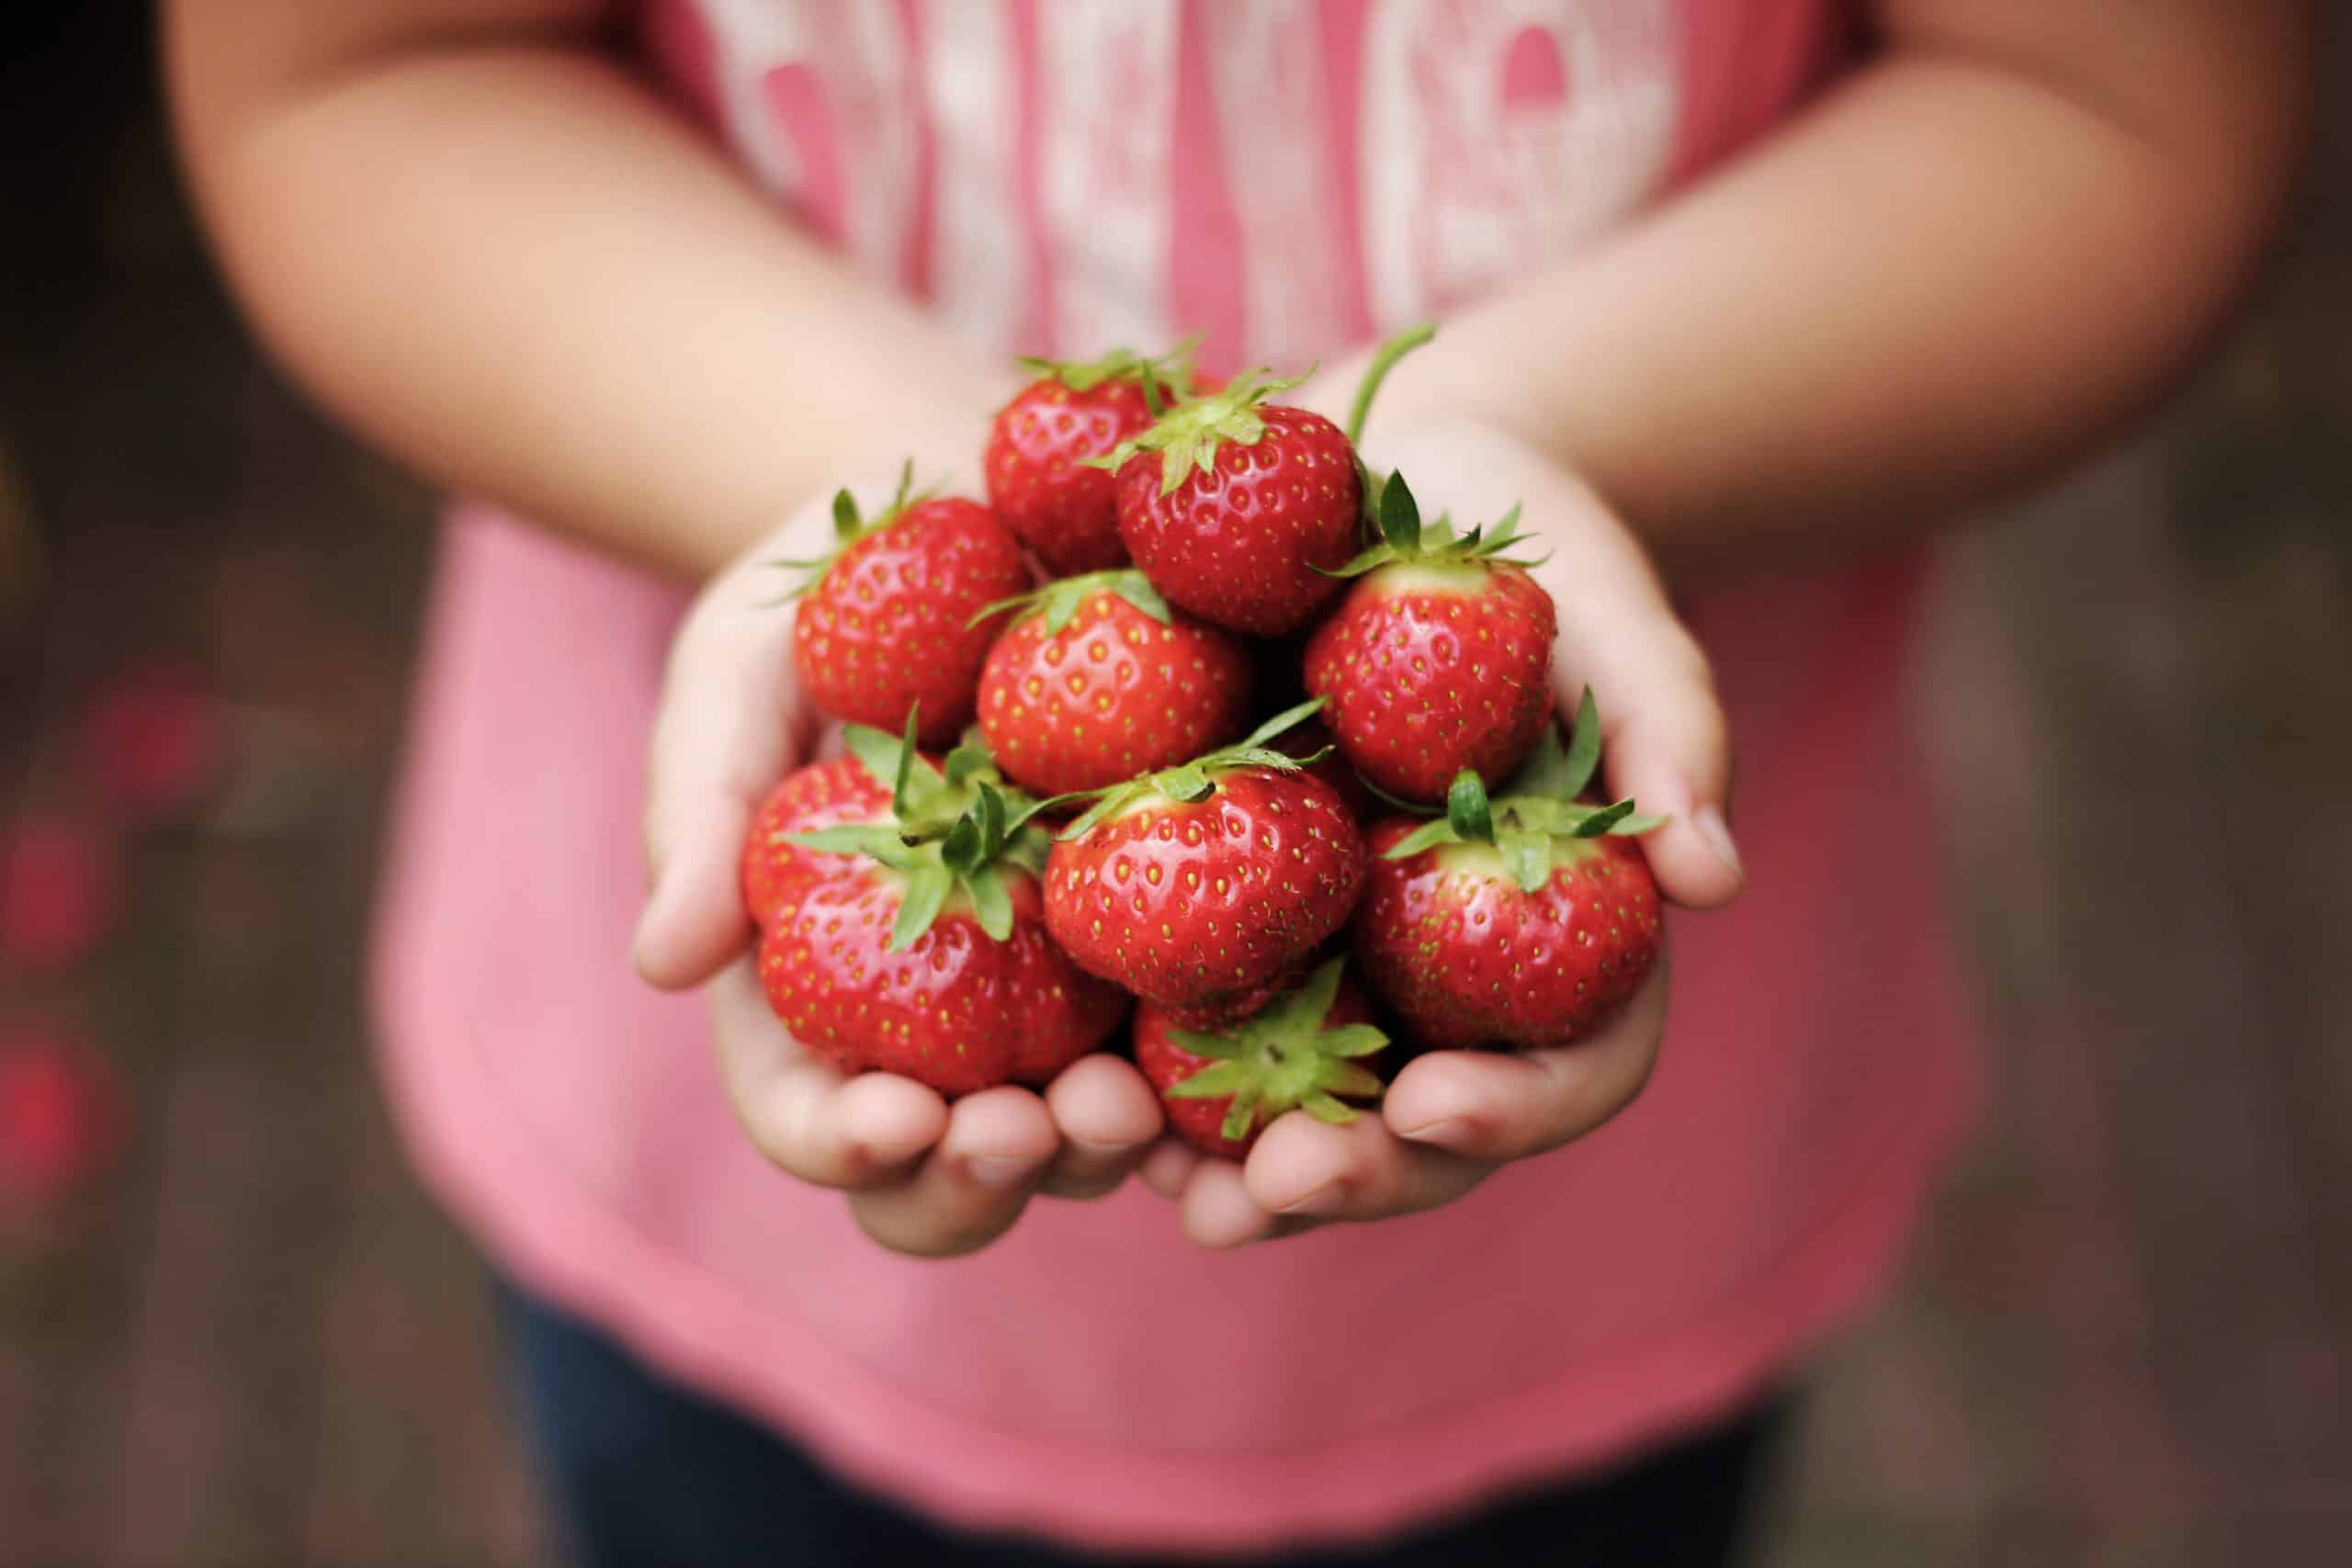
(1987, 249)
(502, 260)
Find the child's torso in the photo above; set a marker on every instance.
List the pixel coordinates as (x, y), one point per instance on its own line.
(1286, 178)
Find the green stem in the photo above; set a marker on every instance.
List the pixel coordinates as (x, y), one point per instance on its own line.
(1395, 349)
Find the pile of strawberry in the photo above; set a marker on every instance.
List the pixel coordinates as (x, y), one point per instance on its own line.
(1061, 808)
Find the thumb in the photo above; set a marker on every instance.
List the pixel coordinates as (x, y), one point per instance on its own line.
(693, 923)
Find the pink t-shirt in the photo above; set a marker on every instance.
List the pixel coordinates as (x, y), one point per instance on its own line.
(1288, 179)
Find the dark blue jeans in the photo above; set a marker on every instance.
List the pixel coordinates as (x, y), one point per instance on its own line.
(642, 1474)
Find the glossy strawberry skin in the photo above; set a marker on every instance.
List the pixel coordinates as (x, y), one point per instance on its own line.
(1113, 693)
(956, 1010)
(1468, 960)
(823, 794)
(1164, 1063)
(1427, 670)
(1037, 476)
(887, 627)
(1239, 545)
(1205, 907)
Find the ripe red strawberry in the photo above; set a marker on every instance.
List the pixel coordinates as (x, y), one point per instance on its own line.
(927, 955)
(1439, 658)
(1039, 479)
(956, 1008)
(1201, 886)
(1519, 922)
(823, 794)
(891, 622)
(1098, 680)
(1305, 1050)
(1236, 508)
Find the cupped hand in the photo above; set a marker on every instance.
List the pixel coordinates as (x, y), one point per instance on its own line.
(921, 1176)
(1453, 1117)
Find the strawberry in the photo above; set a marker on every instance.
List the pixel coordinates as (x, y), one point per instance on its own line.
(1236, 508)
(927, 955)
(1302, 1050)
(1097, 680)
(1439, 658)
(1239, 509)
(1038, 478)
(1199, 887)
(1516, 922)
(823, 794)
(890, 622)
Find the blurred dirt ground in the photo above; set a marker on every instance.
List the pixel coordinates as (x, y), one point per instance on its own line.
(2125, 1339)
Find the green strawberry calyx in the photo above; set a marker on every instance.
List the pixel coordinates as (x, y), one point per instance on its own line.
(1536, 809)
(1284, 1057)
(1405, 540)
(1060, 600)
(1196, 780)
(953, 827)
(1188, 436)
(850, 526)
(1153, 375)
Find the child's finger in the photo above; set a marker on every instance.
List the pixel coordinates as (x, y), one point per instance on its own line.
(722, 737)
(694, 921)
(1108, 1118)
(1664, 741)
(1168, 1166)
(806, 1118)
(1497, 1106)
(970, 1189)
(1308, 1170)
(1216, 1208)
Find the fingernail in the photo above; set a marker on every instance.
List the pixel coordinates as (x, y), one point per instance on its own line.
(1709, 820)
(1443, 1131)
(1322, 1201)
(1000, 1171)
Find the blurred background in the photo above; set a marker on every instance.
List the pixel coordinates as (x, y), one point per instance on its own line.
(232, 1330)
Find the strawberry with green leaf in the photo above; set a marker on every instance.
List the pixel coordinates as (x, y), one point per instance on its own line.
(890, 622)
(1516, 921)
(1200, 887)
(1311, 1048)
(1239, 508)
(1097, 679)
(1037, 459)
(924, 951)
(1440, 658)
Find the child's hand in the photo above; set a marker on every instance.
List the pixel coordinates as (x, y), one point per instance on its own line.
(1453, 1117)
(923, 1177)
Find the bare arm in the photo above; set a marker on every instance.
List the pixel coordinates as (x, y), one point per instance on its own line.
(1990, 245)
(489, 249)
